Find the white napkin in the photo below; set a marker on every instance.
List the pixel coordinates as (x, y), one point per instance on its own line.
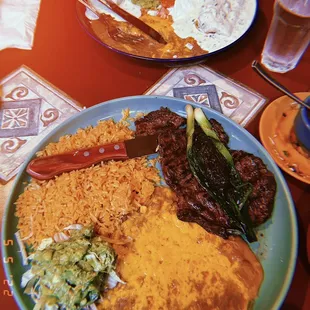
(18, 20)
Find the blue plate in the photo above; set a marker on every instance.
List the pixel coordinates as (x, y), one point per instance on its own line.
(278, 237)
(85, 23)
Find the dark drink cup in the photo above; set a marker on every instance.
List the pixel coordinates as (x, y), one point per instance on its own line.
(288, 36)
(302, 126)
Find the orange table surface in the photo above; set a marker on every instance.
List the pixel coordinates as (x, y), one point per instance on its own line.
(67, 57)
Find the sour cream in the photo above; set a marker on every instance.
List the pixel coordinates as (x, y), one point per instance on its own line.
(212, 23)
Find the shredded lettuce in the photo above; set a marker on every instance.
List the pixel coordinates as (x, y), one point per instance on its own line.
(26, 277)
(45, 243)
(22, 249)
(113, 280)
(73, 273)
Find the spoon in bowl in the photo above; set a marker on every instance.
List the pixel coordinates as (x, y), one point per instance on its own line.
(259, 69)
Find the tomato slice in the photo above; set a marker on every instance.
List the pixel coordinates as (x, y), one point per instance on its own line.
(167, 3)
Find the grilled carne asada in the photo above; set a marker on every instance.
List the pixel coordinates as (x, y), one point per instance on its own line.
(194, 203)
(158, 121)
(253, 170)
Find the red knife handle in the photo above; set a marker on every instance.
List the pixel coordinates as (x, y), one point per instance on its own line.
(44, 168)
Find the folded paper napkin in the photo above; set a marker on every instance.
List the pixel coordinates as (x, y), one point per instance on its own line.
(18, 20)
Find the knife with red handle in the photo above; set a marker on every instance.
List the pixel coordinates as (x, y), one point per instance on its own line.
(44, 168)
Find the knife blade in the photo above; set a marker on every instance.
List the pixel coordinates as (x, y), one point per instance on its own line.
(44, 168)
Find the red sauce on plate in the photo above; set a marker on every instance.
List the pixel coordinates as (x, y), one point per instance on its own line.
(127, 38)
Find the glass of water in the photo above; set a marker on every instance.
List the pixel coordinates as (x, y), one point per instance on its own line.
(288, 36)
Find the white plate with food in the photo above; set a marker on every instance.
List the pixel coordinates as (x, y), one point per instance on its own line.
(192, 29)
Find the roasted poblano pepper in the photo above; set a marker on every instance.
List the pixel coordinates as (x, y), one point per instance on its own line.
(213, 166)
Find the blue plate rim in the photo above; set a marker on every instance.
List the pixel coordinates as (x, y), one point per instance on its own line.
(294, 227)
(79, 6)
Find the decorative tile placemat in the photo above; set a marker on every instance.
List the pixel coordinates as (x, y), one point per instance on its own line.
(201, 84)
(30, 108)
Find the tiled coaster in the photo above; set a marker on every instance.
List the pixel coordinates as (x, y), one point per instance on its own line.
(202, 85)
(30, 108)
